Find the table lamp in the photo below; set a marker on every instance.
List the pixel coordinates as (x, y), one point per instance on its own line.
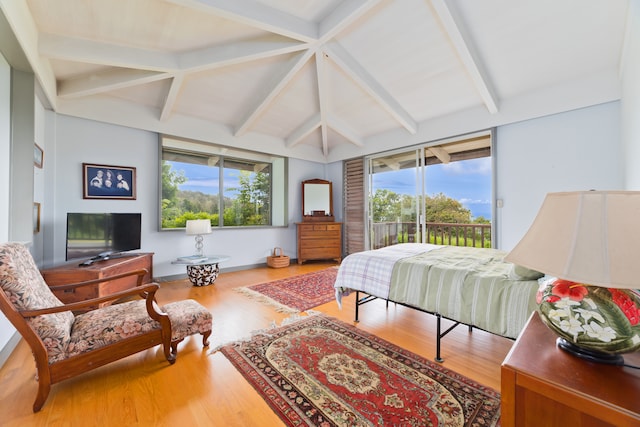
(587, 243)
(198, 227)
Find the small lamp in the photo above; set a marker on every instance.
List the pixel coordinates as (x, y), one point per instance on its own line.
(588, 243)
(198, 227)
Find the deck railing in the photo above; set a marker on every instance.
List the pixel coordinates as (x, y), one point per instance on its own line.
(440, 233)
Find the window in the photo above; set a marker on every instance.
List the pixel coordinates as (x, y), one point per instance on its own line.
(438, 192)
(230, 187)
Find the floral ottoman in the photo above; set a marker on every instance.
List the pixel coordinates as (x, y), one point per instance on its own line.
(188, 317)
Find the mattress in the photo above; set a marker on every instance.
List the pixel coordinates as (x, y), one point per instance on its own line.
(470, 285)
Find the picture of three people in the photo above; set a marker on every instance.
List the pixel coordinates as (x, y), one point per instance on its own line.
(108, 182)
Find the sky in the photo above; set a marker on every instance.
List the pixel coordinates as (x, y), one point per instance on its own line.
(467, 181)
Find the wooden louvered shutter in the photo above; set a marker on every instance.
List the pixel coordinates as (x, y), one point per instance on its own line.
(354, 215)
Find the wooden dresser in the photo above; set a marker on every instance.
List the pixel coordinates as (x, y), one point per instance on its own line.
(543, 385)
(319, 240)
(72, 273)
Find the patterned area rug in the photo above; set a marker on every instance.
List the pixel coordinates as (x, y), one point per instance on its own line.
(297, 293)
(320, 371)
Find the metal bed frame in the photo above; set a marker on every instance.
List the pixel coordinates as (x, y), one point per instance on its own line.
(439, 334)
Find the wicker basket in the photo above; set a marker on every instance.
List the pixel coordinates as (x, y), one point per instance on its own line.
(277, 259)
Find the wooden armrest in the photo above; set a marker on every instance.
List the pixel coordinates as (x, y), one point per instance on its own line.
(140, 273)
(147, 291)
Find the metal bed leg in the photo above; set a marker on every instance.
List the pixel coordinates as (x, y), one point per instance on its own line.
(438, 337)
(357, 306)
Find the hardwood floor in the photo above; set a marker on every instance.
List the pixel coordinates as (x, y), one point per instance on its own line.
(204, 389)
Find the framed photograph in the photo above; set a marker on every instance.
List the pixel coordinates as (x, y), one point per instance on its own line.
(108, 182)
(36, 217)
(38, 155)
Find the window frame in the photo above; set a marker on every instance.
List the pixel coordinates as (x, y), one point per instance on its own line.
(278, 177)
(421, 147)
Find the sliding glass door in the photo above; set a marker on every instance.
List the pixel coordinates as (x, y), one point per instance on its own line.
(437, 193)
(395, 183)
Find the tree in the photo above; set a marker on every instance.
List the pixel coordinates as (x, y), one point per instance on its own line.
(252, 206)
(386, 206)
(170, 181)
(441, 208)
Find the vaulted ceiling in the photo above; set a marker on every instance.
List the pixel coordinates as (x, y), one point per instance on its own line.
(321, 80)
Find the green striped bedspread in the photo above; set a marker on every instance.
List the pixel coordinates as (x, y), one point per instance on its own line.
(468, 285)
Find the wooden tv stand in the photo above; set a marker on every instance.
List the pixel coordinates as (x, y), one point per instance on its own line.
(72, 273)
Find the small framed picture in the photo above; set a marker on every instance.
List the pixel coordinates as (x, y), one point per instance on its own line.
(38, 156)
(36, 217)
(108, 182)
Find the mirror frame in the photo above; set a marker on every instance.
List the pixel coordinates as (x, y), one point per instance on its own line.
(328, 216)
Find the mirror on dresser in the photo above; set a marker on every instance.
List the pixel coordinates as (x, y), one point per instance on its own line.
(319, 236)
(317, 200)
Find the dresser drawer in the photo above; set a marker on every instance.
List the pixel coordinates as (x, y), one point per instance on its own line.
(322, 243)
(319, 253)
(319, 241)
(304, 228)
(321, 235)
(80, 293)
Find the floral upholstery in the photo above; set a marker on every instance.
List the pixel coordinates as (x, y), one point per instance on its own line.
(187, 317)
(108, 325)
(64, 334)
(26, 289)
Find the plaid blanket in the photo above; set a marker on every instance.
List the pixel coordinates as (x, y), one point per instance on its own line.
(371, 271)
(469, 285)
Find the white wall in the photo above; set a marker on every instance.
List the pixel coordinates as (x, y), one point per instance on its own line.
(577, 150)
(37, 246)
(5, 146)
(79, 140)
(21, 168)
(6, 329)
(631, 99)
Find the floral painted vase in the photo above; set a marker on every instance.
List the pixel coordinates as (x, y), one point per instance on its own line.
(599, 319)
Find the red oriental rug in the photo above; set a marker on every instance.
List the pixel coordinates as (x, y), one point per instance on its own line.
(296, 293)
(320, 371)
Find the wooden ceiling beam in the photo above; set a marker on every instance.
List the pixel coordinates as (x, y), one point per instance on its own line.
(344, 14)
(107, 80)
(86, 51)
(345, 130)
(236, 53)
(172, 96)
(304, 130)
(440, 153)
(19, 17)
(322, 98)
(141, 67)
(361, 77)
(270, 92)
(468, 54)
(257, 15)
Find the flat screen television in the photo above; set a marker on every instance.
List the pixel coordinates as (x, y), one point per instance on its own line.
(99, 236)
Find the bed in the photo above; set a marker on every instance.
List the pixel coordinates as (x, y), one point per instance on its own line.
(469, 286)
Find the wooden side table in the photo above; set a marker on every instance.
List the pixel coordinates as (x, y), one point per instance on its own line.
(543, 385)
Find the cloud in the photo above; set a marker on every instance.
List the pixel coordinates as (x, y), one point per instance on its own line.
(207, 183)
(474, 202)
(480, 166)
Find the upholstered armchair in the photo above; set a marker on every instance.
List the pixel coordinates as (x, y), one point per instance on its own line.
(65, 344)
